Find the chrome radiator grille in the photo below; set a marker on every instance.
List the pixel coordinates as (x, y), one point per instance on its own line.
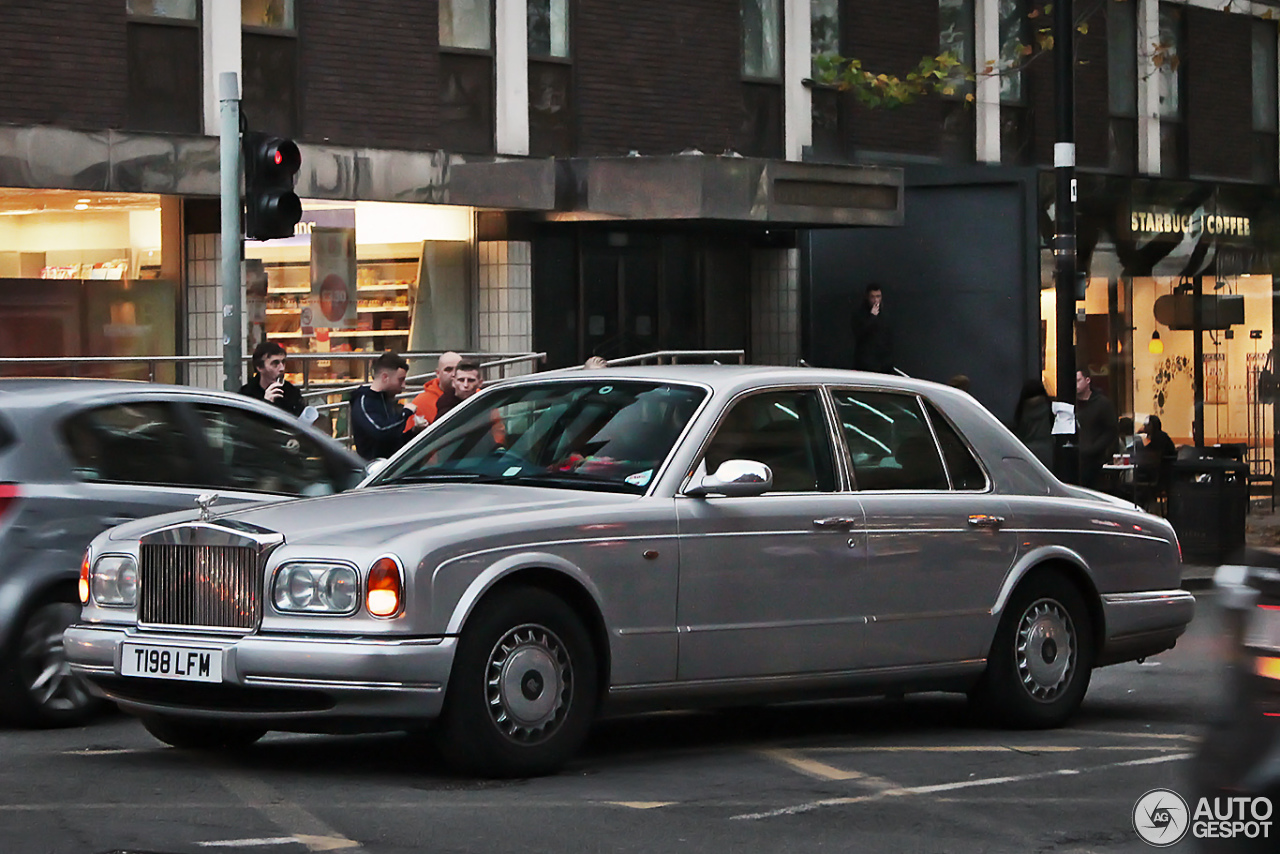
(214, 586)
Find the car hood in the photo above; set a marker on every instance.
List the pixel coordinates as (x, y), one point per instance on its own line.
(379, 514)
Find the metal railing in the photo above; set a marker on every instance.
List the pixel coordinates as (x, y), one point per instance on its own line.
(672, 357)
(148, 365)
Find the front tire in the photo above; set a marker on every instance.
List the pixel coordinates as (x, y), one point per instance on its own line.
(1042, 656)
(522, 693)
(37, 687)
(200, 735)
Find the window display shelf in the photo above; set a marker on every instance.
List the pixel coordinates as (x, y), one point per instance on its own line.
(366, 333)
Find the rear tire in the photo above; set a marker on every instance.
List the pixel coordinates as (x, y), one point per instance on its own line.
(37, 687)
(200, 735)
(1042, 656)
(522, 693)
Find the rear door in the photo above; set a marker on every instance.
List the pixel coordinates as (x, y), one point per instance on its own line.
(937, 548)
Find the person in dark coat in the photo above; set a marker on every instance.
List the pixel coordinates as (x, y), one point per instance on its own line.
(1033, 421)
(377, 418)
(872, 336)
(268, 382)
(1097, 428)
(1153, 459)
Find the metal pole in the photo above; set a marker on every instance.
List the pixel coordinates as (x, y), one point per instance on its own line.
(232, 245)
(1064, 239)
(1197, 356)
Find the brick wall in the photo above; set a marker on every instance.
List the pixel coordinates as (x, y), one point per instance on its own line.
(891, 37)
(368, 72)
(658, 77)
(1092, 109)
(63, 62)
(1219, 81)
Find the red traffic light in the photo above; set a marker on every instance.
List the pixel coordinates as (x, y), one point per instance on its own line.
(271, 165)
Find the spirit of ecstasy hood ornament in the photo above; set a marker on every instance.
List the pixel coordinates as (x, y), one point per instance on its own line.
(206, 500)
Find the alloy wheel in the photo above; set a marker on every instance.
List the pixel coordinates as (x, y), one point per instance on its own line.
(42, 661)
(1046, 649)
(529, 684)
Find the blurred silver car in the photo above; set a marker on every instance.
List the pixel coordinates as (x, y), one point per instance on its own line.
(78, 456)
(567, 545)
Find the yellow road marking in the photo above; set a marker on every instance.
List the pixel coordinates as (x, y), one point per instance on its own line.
(286, 815)
(823, 771)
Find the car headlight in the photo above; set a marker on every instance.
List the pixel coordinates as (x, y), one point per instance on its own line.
(114, 581)
(316, 588)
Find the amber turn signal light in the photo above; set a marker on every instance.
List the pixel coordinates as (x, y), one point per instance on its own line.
(385, 590)
(84, 580)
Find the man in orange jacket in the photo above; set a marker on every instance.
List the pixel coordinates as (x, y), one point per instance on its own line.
(424, 405)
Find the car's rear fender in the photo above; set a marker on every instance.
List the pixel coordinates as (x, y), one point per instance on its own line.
(1065, 561)
(33, 577)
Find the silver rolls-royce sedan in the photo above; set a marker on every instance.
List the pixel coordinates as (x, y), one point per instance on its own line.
(572, 544)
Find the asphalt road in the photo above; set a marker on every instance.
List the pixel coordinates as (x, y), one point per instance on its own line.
(893, 776)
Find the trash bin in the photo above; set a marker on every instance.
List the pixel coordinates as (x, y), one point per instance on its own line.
(1208, 500)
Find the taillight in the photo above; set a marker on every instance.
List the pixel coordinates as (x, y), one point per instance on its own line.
(385, 591)
(8, 497)
(84, 579)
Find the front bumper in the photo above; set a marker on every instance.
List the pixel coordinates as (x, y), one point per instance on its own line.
(1142, 624)
(280, 681)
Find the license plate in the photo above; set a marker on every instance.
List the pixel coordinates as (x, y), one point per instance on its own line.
(1263, 630)
(184, 663)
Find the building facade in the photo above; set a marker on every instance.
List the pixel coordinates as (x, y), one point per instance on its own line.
(588, 177)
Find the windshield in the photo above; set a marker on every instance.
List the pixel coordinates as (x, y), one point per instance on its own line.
(594, 434)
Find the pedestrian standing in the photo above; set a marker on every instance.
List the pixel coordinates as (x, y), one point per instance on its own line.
(1096, 428)
(872, 335)
(268, 382)
(424, 405)
(377, 418)
(1033, 420)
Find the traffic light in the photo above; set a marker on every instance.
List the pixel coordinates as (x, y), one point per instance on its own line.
(271, 166)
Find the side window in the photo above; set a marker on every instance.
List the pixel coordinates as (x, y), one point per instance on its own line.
(131, 443)
(264, 455)
(889, 441)
(963, 467)
(786, 431)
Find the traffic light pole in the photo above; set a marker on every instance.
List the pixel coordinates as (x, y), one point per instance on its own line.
(232, 245)
(1064, 238)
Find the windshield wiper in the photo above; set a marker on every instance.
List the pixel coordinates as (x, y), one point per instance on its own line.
(438, 477)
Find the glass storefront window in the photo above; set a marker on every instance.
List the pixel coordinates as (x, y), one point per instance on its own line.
(184, 10)
(762, 39)
(271, 14)
(466, 24)
(549, 28)
(88, 274)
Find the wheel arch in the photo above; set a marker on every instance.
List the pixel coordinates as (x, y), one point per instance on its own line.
(1067, 564)
(554, 575)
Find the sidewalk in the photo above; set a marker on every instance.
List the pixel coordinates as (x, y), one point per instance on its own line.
(1261, 537)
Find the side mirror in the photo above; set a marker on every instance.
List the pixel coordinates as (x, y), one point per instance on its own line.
(734, 478)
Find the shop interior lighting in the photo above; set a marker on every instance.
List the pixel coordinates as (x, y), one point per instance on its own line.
(1155, 346)
(82, 206)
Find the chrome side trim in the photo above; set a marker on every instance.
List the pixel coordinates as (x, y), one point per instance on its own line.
(784, 679)
(283, 682)
(1148, 597)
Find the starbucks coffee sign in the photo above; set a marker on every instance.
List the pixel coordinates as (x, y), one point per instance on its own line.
(1152, 223)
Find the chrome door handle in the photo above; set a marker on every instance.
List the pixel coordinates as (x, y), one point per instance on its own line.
(838, 523)
(985, 520)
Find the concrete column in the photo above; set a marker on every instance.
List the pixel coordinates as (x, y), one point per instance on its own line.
(511, 61)
(221, 33)
(797, 56)
(986, 113)
(1148, 88)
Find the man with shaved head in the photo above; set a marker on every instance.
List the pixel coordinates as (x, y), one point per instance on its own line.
(424, 405)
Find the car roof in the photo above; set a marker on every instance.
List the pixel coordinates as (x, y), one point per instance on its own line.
(42, 391)
(734, 378)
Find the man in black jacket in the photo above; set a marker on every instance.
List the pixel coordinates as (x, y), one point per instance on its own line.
(1097, 428)
(268, 382)
(872, 337)
(377, 418)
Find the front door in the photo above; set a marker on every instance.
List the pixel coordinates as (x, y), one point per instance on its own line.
(769, 583)
(620, 297)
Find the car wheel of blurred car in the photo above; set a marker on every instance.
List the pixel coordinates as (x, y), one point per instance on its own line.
(1042, 656)
(523, 688)
(200, 735)
(37, 687)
